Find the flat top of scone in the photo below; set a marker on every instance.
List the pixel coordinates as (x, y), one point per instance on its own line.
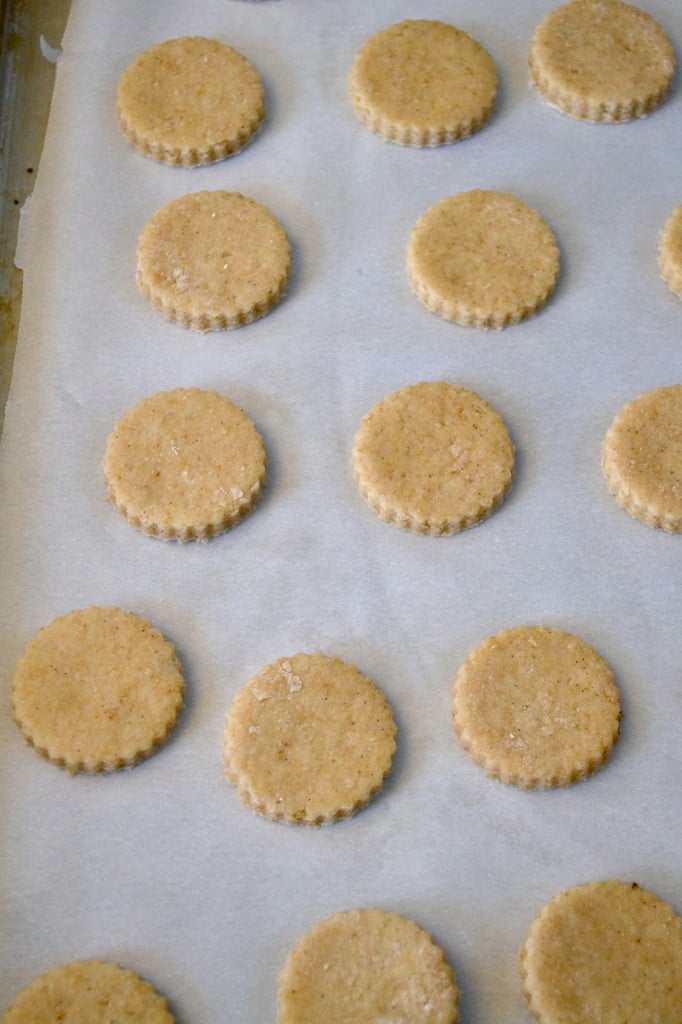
(434, 457)
(97, 689)
(482, 258)
(308, 739)
(536, 707)
(642, 457)
(184, 464)
(602, 59)
(213, 259)
(423, 82)
(190, 100)
(88, 992)
(363, 966)
(605, 951)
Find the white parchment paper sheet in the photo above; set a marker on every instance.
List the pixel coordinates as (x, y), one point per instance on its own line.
(161, 867)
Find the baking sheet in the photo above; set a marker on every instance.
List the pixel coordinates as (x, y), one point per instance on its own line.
(161, 867)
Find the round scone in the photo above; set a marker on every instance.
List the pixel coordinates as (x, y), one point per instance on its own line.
(642, 458)
(607, 952)
(190, 101)
(367, 967)
(433, 457)
(602, 60)
(670, 252)
(483, 259)
(88, 992)
(308, 739)
(423, 83)
(213, 260)
(184, 464)
(97, 690)
(536, 707)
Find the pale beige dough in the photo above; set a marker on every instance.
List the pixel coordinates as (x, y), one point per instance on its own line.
(602, 60)
(423, 83)
(308, 739)
(536, 707)
(433, 457)
(642, 458)
(670, 252)
(604, 953)
(190, 101)
(184, 464)
(88, 992)
(482, 259)
(213, 260)
(97, 690)
(367, 967)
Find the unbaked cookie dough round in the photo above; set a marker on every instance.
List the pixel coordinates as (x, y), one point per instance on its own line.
(536, 707)
(367, 967)
(213, 260)
(97, 690)
(423, 83)
(433, 457)
(482, 259)
(602, 60)
(88, 992)
(670, 252)
(185, 464)
(190, 101)
(642, 458)
(308, 739)
(607, 952)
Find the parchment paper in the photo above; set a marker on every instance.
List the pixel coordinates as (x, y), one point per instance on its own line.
(161, 867)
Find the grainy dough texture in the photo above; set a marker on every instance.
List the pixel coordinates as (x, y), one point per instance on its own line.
(88, 992)
(309, 739)
(423, 83)
(190, 101)
(213, 260)
(602, 60)
(536, 707)
(367, 967)
(670, 252)
(433, 457)
(607, 952)
(97, 690)
(184, 464)
(482, 259)
(642, 458)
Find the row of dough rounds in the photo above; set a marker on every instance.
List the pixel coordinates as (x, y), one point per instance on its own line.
(432, 457)
(310, 738)
(421, 83)
(605, 951)
(215, 260)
